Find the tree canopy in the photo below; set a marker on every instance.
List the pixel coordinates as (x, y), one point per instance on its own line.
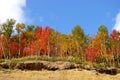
(36, 40)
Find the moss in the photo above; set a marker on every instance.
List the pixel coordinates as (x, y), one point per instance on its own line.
(2, 60)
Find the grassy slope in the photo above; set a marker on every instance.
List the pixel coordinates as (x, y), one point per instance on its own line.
(52, 75)
(55, 75)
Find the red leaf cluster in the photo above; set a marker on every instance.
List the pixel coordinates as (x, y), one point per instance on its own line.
(40, 44)
(13, 48)
(115, 35)
(91, 54)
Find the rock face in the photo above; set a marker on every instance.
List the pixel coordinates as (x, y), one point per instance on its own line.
(57, 65)
(4, 65)
(38, 65)
(29, 65)
(112, 71)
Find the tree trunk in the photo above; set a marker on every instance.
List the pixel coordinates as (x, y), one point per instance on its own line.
(48, 49)
(19, 45)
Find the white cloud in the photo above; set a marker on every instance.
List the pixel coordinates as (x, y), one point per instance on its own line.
(117, 22)
(12, 9)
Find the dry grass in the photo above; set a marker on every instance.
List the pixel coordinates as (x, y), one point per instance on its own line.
(73, 74)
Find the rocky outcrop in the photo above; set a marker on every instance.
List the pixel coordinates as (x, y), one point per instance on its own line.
(38, 65)
(55, 65)
(4, 65)
(111, 70)
(58, 65)
(29, 65)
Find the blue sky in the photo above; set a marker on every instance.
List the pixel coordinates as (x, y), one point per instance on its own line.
(63, 15)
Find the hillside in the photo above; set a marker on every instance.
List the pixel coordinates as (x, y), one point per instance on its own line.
(73, 74)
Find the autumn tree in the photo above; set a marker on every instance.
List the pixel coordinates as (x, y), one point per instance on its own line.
(19, 28)
(80, 40)
(62, 43)
(97, 46)
(54, 44)
(14, 47)
(47, 39)
(102, 28)
(1, 46)
(30, 33)
(7, 30)
(102, 38)
(115, 40)
(39, 45)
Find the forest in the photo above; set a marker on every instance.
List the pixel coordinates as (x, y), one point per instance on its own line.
(18, 40)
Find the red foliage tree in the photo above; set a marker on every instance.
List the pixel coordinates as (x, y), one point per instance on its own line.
(1, 46)
(45, 39)
(38, 32)
(30, 49)
(39, 46)
(91, 54)
(1, 52)
(13, 49)
(42, 39)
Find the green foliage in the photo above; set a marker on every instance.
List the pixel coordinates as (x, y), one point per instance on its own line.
(103, 28)
(80, 41)
(7, 30)
(30, 28)
(78, 33)
(7, 27)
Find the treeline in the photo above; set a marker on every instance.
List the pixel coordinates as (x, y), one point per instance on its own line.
(36, 40)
